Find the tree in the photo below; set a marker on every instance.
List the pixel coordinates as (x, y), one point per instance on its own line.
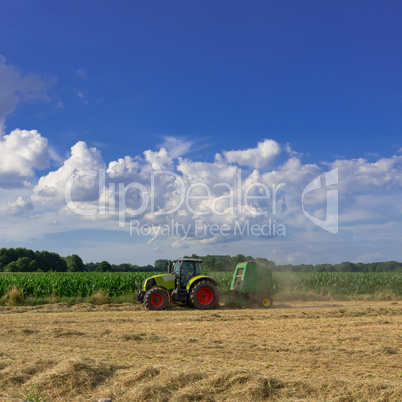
(11, 267)
(33, 266)
(50, 261)
(23, 264)
(219, 266)
(90, 267)
(103, 266)
(345, 266)
(74, 263)
(161, 265)
(7, 255)
(320, 268)
(238, 259)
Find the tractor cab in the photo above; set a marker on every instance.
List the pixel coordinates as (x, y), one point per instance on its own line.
(184, 270)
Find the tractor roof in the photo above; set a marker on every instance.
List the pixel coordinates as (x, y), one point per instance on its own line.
(188, 259)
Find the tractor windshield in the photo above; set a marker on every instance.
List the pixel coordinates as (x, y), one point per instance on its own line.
(177, 268)
(187, 272)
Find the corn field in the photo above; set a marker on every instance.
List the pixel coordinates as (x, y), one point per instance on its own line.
(72, 284)
(341, 283)
(82, 284)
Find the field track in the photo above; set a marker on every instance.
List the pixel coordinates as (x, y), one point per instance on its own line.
(341, 351)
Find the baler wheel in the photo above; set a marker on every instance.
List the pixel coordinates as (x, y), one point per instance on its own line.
(266, 301)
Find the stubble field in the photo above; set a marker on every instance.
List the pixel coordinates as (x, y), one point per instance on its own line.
(341, 351)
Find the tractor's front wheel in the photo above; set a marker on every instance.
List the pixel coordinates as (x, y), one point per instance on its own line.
(204, 295)
(156, 299)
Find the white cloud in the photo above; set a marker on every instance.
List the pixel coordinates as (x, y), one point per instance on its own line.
(22, 152)
(81, 95)
(176, 147)
(80, 72)
(124, 169)
(292, 175)
(52, 186)
(369, 195)
(290, 151)
(16, 207)
(158, 160)
(260, 157)
(16, 87)
(370, 257)
(360, 175)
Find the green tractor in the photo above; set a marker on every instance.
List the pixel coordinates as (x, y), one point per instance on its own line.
(184, 283)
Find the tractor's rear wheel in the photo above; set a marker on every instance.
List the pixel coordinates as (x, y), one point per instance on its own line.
(156, 299)
(204, 295)
(265, 301)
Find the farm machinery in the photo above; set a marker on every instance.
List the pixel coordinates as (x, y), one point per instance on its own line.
(251, 285)
(184, 283)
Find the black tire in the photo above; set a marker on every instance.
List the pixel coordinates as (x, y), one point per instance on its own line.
(156, 299)
(265, 301)
(140, 297)
(204, 295)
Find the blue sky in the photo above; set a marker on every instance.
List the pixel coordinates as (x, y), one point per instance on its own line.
(199, 79)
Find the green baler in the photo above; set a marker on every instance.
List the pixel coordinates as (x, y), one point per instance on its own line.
(252, 284)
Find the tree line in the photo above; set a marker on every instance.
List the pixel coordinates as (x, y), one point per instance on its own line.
(25, 260)
(228, 263)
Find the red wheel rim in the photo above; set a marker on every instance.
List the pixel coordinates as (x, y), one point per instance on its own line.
(205, 296)
(157, 300)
